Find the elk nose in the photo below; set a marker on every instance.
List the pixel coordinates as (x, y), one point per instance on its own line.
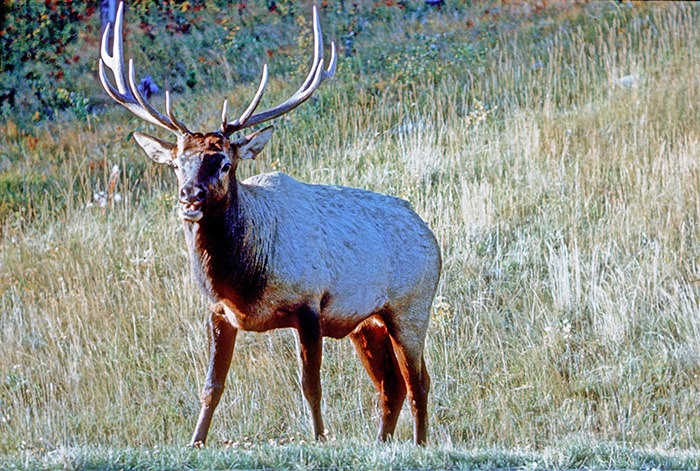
(192, 194)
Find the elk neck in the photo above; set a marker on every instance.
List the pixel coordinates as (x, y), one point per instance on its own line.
(228, 252)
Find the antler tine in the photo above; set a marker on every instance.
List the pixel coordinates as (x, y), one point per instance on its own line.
(167, 123)
(316, 75)
(127, 93)
(253, 105)
(318, 49)
(169, 111)
(113, 61)
(330, 72)
(224, 121)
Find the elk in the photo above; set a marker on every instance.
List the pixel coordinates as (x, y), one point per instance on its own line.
(271, 252)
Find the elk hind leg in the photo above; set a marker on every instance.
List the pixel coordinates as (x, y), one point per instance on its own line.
(374, 348)
(222, 338)
(408, 347)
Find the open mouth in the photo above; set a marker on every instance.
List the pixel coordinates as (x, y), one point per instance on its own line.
(191, 212)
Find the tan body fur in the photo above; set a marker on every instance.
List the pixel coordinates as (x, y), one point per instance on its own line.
(346, 253)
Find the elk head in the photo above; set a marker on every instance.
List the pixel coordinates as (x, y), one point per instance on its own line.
(205, 163)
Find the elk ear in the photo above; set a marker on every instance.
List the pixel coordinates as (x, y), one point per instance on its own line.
(160, 151)
(250, 146)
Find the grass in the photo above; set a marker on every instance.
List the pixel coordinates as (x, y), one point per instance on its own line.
(350, 455)
(560, 173)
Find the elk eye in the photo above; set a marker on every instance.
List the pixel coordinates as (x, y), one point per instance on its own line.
(226, 167)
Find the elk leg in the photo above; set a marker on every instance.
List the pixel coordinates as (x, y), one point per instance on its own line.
(373, 346)
(311, 342)
(222, 338)
(408, 347)
(416, 375)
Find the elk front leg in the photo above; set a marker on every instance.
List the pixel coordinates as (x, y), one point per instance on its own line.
(311, 341)
(222, 338)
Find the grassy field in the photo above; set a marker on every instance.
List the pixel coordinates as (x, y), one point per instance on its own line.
(362, 457)
(558, 163)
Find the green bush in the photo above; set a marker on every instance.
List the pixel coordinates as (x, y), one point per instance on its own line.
(35, 53)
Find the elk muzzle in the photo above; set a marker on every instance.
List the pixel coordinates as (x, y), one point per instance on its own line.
(191, 199)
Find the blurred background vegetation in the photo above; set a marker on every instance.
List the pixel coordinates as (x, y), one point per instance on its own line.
(50, 48)
(204, 49)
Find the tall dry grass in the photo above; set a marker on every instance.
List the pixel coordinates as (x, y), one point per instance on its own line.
(566, 206)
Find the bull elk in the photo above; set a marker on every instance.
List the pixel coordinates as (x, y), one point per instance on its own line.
(271, 252)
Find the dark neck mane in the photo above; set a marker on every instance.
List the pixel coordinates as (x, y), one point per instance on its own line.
(228, 255)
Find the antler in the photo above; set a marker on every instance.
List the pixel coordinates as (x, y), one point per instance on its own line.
(317, 74)
(127, 93)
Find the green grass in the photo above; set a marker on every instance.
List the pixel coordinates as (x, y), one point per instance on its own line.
(350, 455)
(566, 333)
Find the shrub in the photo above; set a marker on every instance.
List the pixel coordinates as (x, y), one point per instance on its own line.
(35, 53)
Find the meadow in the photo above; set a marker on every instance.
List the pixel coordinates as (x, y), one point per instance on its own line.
(555, 153)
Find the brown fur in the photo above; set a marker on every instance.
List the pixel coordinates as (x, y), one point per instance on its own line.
(199, 142)
(374, 347)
